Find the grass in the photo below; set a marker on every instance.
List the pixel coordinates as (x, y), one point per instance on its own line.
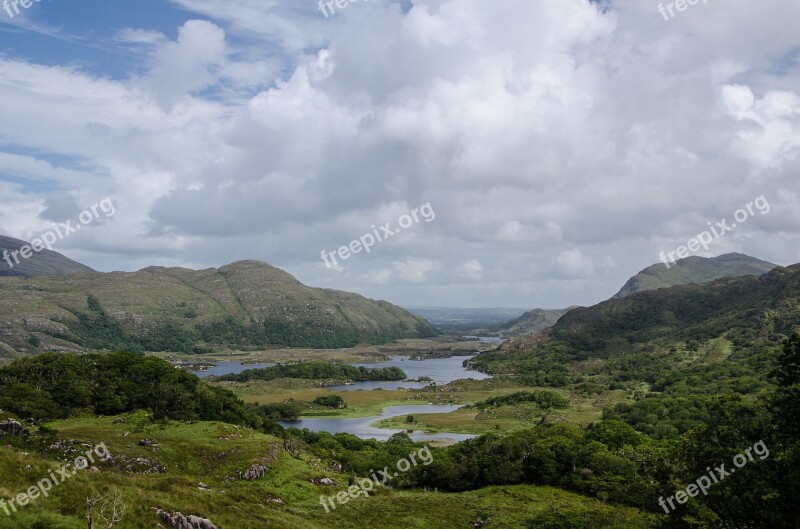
(358, 354)
(212, 453)
(582, 410)
(363, 403)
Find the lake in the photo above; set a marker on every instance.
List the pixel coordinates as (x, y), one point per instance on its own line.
(441, 370)
(363, 427)
(228, 368)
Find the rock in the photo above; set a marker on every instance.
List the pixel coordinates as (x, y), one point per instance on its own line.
(255, 472)
(480, 523)
(149, 443)
(202, 486)
(327, 482)
(13, 427)
(138, 465)
(181, 521)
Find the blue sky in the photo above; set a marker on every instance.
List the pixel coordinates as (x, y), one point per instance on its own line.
(563, 144)
(82, 32)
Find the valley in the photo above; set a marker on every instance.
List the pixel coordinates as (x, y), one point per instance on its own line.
(588, 412)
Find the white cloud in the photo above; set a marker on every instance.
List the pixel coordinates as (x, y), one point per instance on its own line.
(470, 270)
(563, 147)
(140, 36)
(572, 264)
(414, 270)
(769, 134)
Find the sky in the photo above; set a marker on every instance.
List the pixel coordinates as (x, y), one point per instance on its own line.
(537, 152)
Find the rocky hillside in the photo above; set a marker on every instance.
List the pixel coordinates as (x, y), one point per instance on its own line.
(44, 263)
(244, 305)
(694, 270)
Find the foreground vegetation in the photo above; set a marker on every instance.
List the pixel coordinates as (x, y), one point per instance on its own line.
(216, 454)
(617, 473)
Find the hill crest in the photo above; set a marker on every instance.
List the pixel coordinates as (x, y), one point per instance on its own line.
(693, 270)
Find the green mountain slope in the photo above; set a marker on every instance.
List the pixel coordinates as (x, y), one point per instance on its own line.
(694, 270)
(724, 333)
(532, 321)
(44, 263)
(244, 305)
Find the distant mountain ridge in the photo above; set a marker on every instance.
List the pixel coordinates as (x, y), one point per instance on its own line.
(465, 318)
(694, 270)
(244, 305)
(532, 321)
(44, 263)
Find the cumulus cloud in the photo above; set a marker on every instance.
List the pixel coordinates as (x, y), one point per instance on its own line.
(572, 264)
(770, 127)
(562, 144)
(472, 269)
(139, 36)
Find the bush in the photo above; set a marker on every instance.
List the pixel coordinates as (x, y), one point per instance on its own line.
(331, 401)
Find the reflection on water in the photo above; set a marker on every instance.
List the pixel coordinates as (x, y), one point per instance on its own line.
(228, 368)
(362, 427)
(440, 370)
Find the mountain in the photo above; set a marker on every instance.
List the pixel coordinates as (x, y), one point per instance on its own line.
(532, 321)
(721, 335)
(465, 319)
(694, 270)
(44, 263)
(244, 305)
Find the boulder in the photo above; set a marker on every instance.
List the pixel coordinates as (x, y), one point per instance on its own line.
(181, 521)
(255, 472)
(13, 427)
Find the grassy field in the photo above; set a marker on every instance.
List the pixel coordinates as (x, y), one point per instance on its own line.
(582, 411)
(360, 403)
(359, 354)
(213, 453)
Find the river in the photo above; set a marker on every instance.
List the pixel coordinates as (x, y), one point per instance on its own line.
(363, 427)
(439, 370)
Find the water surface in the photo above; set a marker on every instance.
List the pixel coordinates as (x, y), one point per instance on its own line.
(363, 427)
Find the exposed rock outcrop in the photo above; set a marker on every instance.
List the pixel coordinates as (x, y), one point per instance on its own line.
(181, 521)
(13, 427)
